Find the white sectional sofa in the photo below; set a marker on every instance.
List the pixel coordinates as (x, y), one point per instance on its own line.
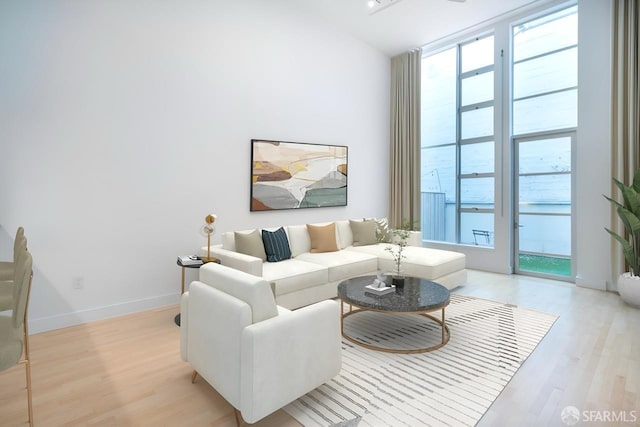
(308, 277)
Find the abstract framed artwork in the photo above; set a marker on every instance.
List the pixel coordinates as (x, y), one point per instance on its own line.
(294, 175)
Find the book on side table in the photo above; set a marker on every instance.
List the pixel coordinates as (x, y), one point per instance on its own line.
(190, 260)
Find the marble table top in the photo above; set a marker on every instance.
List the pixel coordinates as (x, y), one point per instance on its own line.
(416, 295)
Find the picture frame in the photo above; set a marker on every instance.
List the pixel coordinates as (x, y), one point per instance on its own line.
(297, 175)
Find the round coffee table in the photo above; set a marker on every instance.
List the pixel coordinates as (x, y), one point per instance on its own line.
(418, 296)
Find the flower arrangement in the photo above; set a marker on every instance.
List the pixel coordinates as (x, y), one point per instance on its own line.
(400, 237)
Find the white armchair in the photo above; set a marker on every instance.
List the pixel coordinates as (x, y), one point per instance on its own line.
(258, 356)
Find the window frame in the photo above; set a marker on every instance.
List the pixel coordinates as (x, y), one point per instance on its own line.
(516, 139)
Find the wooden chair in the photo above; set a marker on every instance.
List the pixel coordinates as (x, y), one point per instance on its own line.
(14, 333)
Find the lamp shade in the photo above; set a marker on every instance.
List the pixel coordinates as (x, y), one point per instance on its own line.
(211, 218)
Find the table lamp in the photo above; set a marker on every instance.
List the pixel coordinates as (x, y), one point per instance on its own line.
(209, 228)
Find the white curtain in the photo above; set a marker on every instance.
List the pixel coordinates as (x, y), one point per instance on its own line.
(625, 112)
(404, 200)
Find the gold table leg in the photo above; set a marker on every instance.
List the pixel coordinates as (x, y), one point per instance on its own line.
(443, 325)
(446, 335)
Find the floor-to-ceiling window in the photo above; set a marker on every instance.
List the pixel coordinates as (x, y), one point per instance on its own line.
(545, 111)
(499, 126)
(458, 143)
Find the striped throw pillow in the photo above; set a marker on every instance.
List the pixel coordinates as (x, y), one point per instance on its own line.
(276, 245)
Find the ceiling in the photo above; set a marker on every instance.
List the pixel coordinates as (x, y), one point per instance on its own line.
(407, 24)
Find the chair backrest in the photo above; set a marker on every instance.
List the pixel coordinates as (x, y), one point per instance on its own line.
(21, 288)
(19, 245)
(11, 331)
(251, 289)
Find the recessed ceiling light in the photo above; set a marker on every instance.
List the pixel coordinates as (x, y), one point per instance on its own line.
(376, 6)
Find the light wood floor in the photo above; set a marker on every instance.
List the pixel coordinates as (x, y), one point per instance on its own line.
(127, 371)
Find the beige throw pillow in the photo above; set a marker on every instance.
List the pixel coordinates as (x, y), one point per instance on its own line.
(250, 244)
(364, 232)
(323, 237)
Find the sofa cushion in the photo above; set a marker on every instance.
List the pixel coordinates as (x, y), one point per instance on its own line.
(251, 289)
(345, 235)
(377, 250)
(250, 244)
(431, 263)
(343, 264)
(384, 233)
(276, 245)
(419, 262)
(364, 232)
(292, 275)
(299, 241)
(323, 237)
(229, 239)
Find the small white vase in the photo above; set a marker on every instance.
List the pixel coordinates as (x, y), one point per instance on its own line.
(629, 289)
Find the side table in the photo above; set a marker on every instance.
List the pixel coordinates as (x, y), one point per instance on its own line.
(182, 267)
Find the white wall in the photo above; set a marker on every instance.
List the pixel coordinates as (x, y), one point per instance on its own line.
(124, 123)
(593, 154)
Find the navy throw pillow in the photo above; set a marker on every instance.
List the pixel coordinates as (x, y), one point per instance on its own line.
(276, 245)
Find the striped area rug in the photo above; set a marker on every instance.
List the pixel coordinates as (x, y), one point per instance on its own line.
(451, 386)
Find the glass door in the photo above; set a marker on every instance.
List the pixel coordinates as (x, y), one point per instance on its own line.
(544, 209)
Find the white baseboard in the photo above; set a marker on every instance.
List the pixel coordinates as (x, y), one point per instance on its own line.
(580, 281)
(79, 317)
